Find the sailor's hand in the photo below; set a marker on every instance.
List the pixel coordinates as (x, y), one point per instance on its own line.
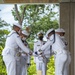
(40, 52)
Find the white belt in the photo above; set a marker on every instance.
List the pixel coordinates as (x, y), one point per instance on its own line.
(9, 50)
(60, 51)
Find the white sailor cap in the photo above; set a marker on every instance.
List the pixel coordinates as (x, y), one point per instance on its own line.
(17, 24)
(41, 32)
(25, 33)
(49, 31)
(60, 30)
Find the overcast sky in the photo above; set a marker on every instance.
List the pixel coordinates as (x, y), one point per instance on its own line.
(5, 13)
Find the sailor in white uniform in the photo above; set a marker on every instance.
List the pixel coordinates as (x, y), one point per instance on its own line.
(41, 62)
(25, 58)
(59, 49)
(61, 32)
(13, 42)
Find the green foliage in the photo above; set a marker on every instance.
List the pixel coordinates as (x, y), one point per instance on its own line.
(39, 17)
(50, 67)
(31, 45)
(3, 33)
(2, 65)
(44, 24)
(32, 68)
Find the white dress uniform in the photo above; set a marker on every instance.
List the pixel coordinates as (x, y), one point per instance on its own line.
(67, 63)
(23, 64)
(59, 49)
(13, 42)
(61, 55)
(66, 67)
(18, 62)
(40, 62)
(25, 61)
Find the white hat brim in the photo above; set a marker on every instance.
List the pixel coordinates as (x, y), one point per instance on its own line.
(17, 24)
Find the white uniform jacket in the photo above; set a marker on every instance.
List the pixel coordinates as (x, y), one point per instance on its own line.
(58, 46)
(13, 42)
(46, 48)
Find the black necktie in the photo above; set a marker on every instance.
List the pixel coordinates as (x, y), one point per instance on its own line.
(50, 49)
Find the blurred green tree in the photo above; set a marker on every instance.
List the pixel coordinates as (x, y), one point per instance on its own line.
(38, 17)
(3, 34)
(4, 30)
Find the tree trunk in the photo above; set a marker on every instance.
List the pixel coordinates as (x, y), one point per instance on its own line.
(20, 17)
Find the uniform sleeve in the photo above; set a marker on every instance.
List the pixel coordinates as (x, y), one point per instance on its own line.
(59, 44)
(46, 45)
(21, 45)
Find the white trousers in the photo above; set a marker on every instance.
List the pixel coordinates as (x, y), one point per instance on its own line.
(10, 63)
(66, 66)
(28, 59)
(23, 66)
(41, 66)
(18, 66)
(61, 64)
